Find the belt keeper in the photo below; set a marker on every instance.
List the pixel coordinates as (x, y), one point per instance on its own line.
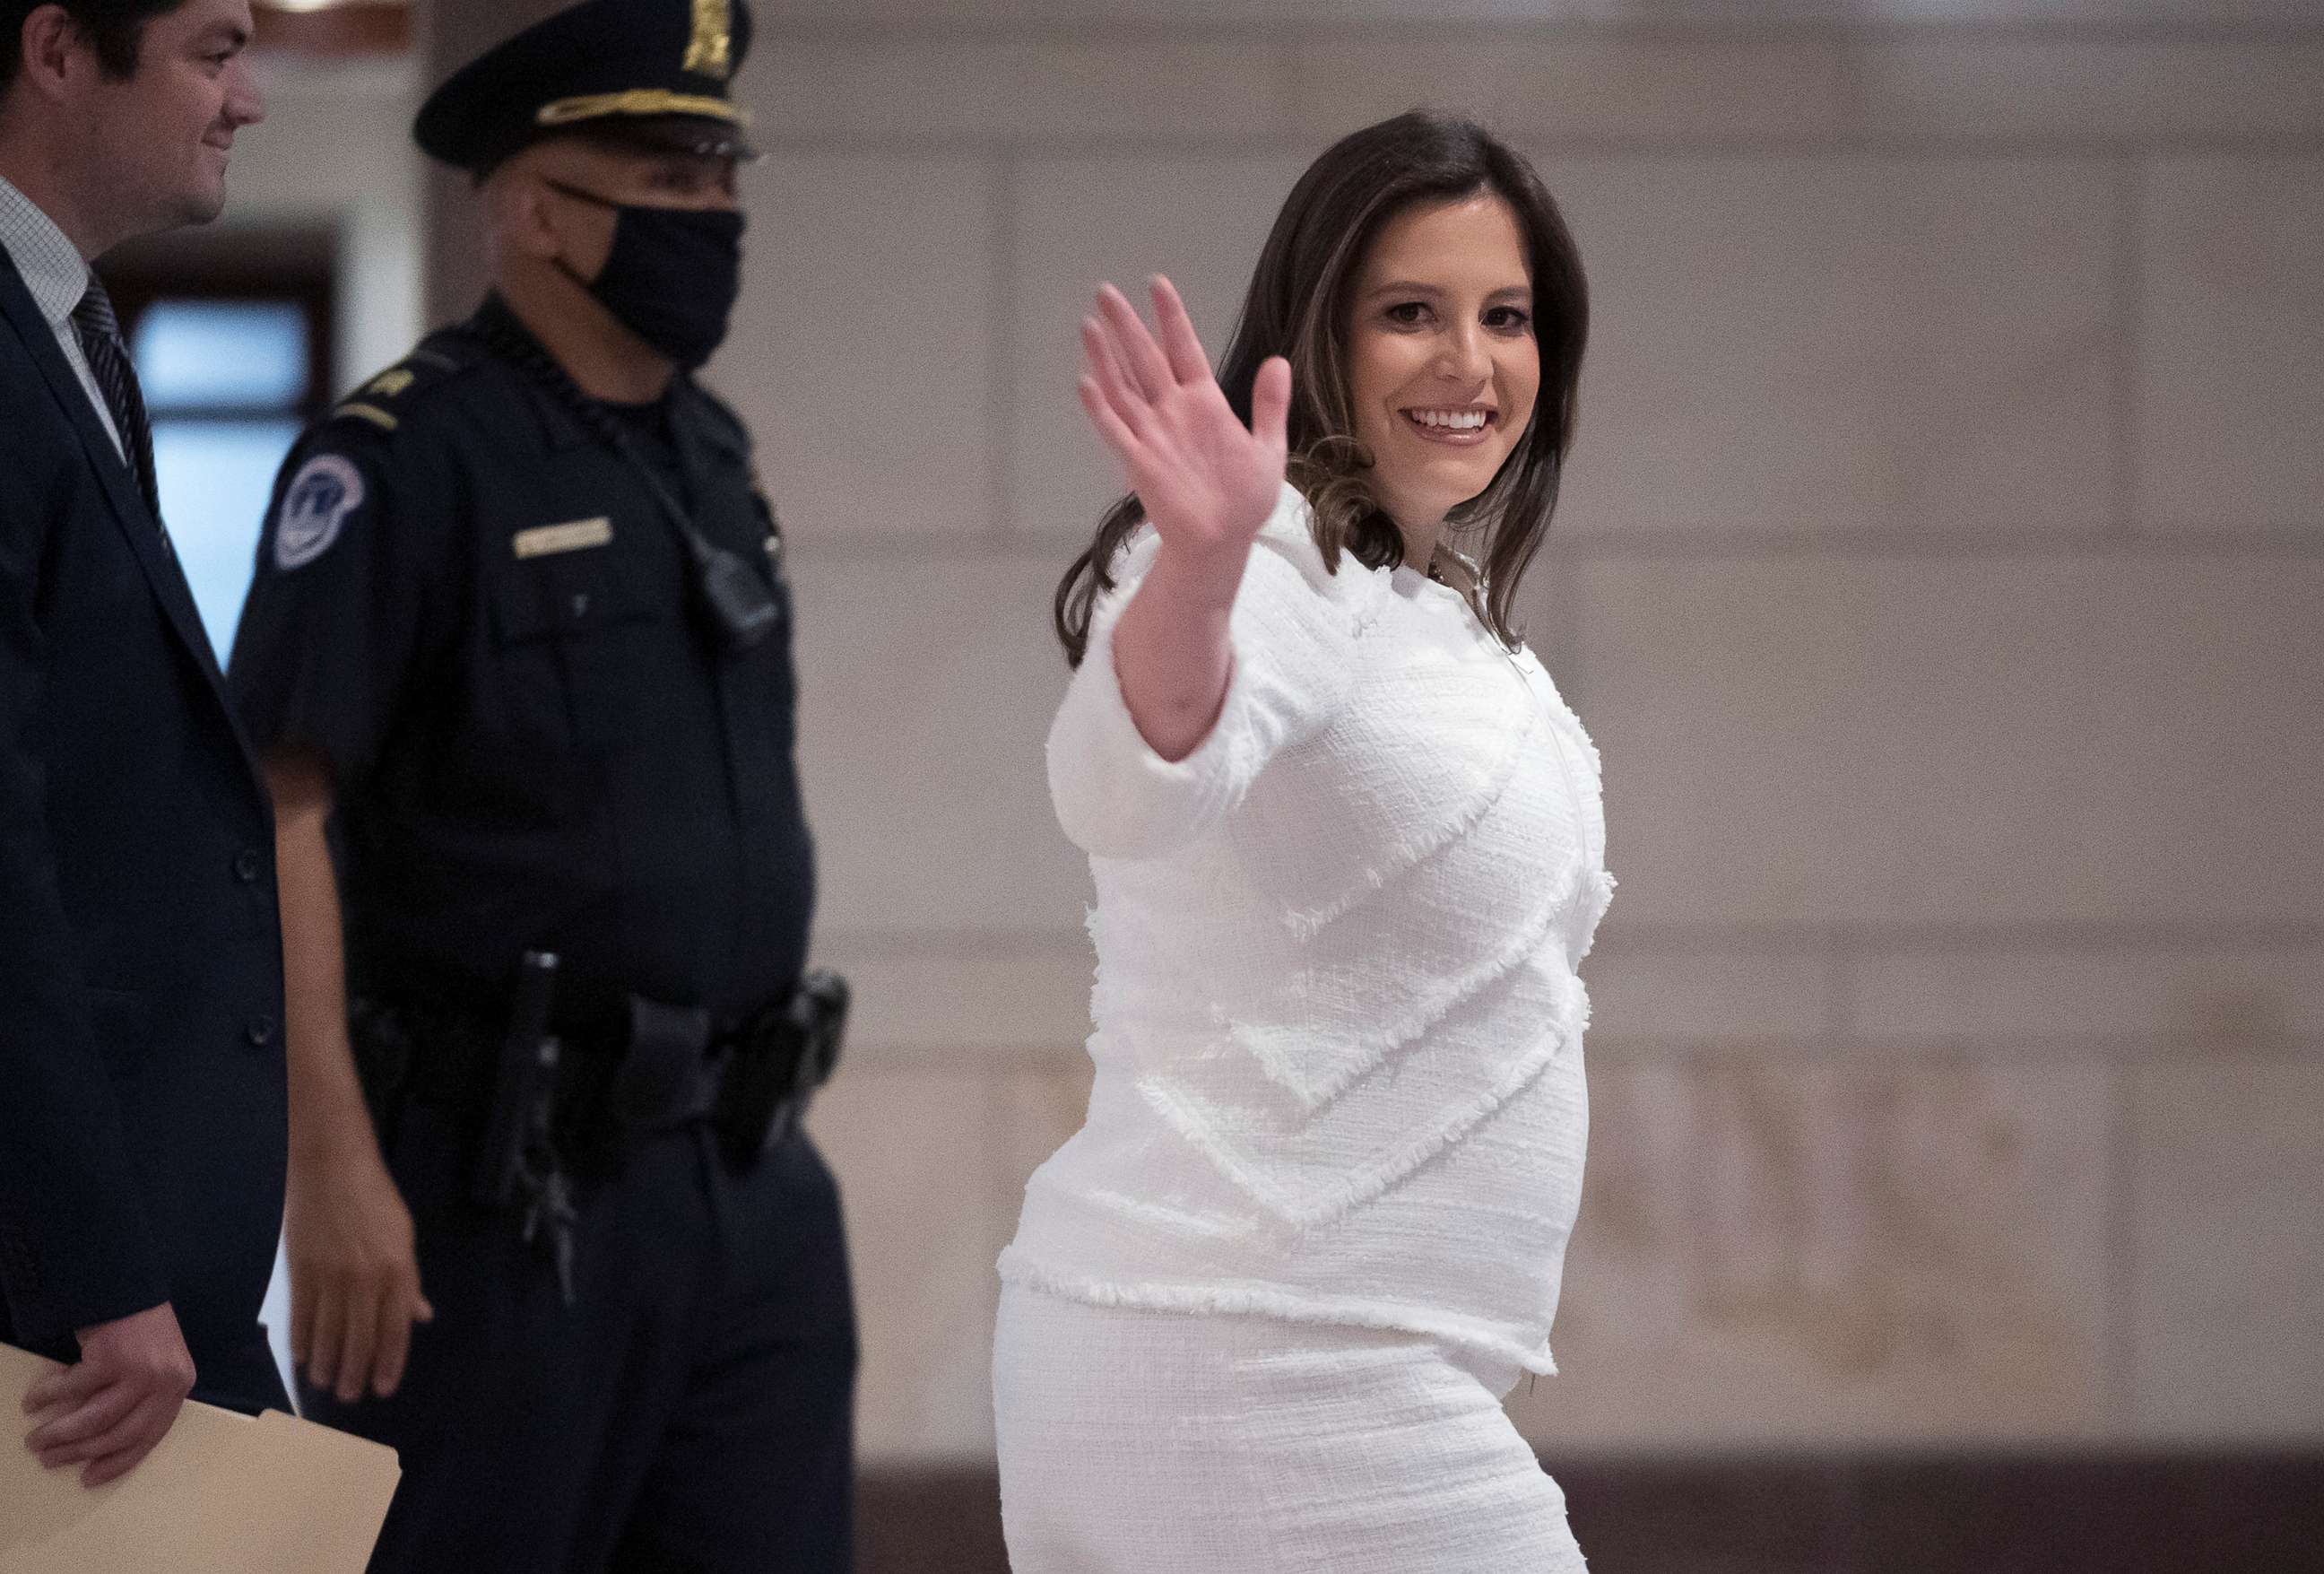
(663, 1080)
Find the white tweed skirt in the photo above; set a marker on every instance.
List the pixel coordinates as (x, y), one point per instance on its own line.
(1141, 1442)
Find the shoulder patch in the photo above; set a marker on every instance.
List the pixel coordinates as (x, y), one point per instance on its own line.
(327, 489)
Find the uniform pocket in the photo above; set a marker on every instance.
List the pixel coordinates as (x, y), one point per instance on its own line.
(565, 628)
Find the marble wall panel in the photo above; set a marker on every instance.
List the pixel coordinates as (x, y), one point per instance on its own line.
(1650, 999)
(1913, 743)
(2230, 347)
(932, 1167)
(1040, 1111)
(1200, 220)
(1843, 346)
(1101, 90)
(1776, 1252)
(930, 1206)
(922, 999)
(1844, 1188)
(927, 685)
(2066, 90)
(2227, 1287)
(1560, 87)
(2182, 996)
(863, 351)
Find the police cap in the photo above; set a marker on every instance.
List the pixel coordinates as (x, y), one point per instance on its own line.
(652, 72)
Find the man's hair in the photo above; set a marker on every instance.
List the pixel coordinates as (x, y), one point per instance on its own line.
(114, 28)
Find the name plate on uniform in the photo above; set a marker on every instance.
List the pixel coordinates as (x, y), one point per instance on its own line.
(543, 540)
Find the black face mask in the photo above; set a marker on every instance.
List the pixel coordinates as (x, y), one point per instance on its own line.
(672, 275)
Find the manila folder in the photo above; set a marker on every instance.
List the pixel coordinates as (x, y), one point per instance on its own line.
(250, 1495)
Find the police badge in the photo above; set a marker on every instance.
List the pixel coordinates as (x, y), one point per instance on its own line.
(710, 52)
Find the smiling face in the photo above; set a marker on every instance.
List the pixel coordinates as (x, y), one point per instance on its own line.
(160, 138)
(1443, 368)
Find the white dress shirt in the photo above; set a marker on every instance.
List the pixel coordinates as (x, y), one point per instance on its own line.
(55, 273)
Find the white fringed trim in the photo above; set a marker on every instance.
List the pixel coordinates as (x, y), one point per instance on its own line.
(1601, 897)
(1408, 853)
(1309, 1207)
(1260, 1300)
(1280, 1052)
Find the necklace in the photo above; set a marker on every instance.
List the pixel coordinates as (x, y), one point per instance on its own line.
(1436, 569)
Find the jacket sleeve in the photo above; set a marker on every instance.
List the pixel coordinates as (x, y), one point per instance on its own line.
(76, 1247)
(1293, 647)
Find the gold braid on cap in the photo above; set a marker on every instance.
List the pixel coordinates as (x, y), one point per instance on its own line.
(638, 101)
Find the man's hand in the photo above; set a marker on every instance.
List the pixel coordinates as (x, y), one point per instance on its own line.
(108, 1411)
(355, 1272)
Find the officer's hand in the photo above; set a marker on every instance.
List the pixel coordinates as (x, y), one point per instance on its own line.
(355, 1274)
(108, 1411)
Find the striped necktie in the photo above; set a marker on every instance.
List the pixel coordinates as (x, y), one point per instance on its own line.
(99, 333)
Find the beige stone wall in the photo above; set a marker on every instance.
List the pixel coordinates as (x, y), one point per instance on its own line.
(334, 152)
(1941, 573)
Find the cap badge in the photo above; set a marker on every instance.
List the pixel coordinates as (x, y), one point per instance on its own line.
(710, 53)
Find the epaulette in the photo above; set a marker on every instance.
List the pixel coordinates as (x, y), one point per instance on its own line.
(739, 443)
(386, 399)
(730, 423)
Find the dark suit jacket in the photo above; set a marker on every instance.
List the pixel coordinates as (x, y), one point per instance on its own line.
(142, 1090)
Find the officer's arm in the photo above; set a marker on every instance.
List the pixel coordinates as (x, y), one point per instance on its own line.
(343, 606)
(326, 1108)
(355, 1275)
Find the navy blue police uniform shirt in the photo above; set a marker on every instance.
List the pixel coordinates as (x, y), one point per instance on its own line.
(476, 611)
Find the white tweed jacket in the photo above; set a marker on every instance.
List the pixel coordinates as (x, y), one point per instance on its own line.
(1337, 1024)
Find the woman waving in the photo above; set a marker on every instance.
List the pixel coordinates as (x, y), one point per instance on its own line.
(1347, 842)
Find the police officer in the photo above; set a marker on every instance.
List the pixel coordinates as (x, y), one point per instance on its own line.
(517, 655)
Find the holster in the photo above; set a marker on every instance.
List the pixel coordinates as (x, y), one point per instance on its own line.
(775, 1064)
(664, 1067)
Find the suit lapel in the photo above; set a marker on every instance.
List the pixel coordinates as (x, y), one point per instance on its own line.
(146, 540)
(136, 521)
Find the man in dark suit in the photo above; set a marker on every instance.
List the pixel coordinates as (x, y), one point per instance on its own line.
(142, 1098)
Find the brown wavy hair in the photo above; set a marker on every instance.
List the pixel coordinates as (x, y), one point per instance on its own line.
(1299, 307)
(115, 29)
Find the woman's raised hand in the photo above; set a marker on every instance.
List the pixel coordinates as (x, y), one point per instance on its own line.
(1206, 481)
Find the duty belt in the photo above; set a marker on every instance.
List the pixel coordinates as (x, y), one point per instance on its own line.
(620, 1072)
(545, 1118)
